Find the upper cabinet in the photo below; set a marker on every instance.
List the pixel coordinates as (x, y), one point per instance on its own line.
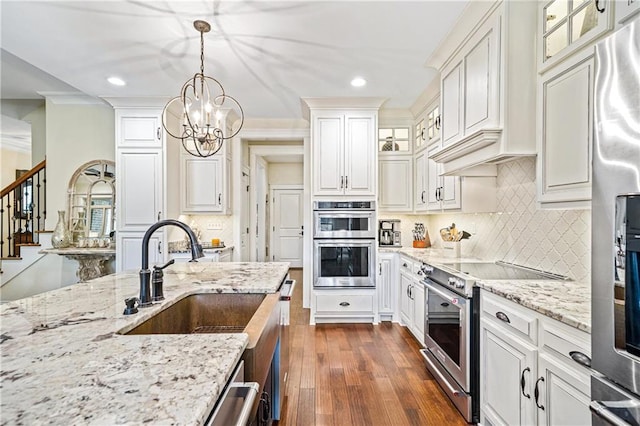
(344, 141)
(626, 10)
(395, 169)
(566, 26)
(487, 90)
(565, 114)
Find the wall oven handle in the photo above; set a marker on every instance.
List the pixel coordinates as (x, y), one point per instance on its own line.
(523, 383)
(536, 393)
(502, 317)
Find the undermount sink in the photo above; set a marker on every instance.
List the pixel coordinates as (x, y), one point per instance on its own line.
(205, 313)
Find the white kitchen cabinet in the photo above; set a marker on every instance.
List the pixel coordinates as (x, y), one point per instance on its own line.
(386, 285)
(140, 184)
(470, 92)
(505, 363)
(395, 175)
(344, 305)
(344, 152)
(568, 26)
(527, 374)
(420, 141)
(202, 184)
(412, 298)
(421, 182)
(394, 140)
(487, 91)
(565, 114)
(626, 10)
(433, 123)
(443, 191)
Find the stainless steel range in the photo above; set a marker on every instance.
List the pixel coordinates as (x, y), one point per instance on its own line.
(452, 324)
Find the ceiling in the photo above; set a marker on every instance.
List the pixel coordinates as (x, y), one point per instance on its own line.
(267, 54)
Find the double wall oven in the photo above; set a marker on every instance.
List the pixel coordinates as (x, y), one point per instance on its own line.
(344, 235)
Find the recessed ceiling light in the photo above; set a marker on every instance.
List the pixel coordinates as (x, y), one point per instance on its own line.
(358, 82)
(116, 81)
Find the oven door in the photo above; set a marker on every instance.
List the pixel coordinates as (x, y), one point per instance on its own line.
(344, 263)
(447, 330)
(341, 224)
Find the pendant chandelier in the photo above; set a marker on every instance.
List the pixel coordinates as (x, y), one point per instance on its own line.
(203, 103)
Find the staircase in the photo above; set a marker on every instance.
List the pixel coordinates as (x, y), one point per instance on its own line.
(22, 215)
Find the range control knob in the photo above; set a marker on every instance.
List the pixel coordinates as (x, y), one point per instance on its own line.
(428, 270)
(452, 281)
(459, 284)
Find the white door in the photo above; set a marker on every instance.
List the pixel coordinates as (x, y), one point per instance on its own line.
(286, 239)
(359, 154)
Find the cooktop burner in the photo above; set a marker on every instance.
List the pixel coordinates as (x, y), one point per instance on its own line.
(501, 271)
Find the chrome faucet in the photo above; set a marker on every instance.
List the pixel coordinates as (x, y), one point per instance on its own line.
(145, 273)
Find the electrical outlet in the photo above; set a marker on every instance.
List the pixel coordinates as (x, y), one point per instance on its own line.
(214, 226)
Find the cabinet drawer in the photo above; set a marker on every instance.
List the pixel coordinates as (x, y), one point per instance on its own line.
(509, 315)
(406, 265)
(570, 343)
(344, 303)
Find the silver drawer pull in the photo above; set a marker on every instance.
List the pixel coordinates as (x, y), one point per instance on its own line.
(444, 304)
(345, 304)
(580, 358)
(502, 317)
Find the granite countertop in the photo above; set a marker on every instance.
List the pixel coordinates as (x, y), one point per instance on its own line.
(566, 301)
(63, 361)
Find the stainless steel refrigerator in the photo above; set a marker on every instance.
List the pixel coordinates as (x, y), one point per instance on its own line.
(615, 383)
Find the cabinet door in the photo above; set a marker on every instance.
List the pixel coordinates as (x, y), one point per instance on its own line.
(396, 184)
(140, 189)
(450, 194)
(386, 299)
(451, 98)
(139, 128)
(328, 150)
(625, 10)
(480, 70)
(433, 185)
(505, 363)
(360, 154)
(202, 184)
(565, 394)
(418, 311)
(421, 182)
(406, 304)
(568, 26)
(129, 249)
(566, 102)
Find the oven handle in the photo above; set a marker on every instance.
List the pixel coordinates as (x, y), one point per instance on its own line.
(453, 391)
(455, 300)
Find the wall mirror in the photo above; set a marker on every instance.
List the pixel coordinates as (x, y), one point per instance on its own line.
(92, 196)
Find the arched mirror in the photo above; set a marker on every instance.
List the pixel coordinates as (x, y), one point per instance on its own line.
(92, 196)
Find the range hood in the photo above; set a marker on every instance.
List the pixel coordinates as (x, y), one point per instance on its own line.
(478, 153)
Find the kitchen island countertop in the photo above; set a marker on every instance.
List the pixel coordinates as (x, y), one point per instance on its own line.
(64, 362)
(566, 301)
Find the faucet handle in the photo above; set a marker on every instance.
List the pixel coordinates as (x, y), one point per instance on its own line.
(132, 305)
(160, 268)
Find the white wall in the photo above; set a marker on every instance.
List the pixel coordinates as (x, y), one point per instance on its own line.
(38, 121)
(285, 173)
(10, 161)
(75, 134)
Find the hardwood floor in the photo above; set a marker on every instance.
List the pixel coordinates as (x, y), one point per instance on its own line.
(358, 374)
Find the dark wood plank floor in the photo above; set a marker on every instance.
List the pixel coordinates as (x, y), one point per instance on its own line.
(358, 374)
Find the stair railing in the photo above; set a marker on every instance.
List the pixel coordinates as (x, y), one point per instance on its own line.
(23, 211)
